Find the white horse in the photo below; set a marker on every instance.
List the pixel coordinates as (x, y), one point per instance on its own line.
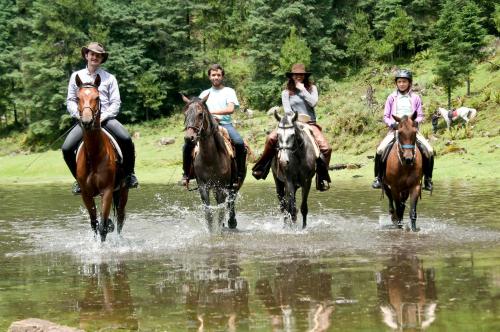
(464, 113)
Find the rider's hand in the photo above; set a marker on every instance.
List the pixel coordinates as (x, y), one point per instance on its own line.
(299, 85)
(394, 125)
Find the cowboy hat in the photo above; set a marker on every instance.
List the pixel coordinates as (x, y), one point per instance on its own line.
(96, 48)
(298, 68)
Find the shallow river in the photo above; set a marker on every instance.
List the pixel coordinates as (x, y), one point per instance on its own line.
(347, 271)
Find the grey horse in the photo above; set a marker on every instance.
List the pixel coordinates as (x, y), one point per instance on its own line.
(294, 166)
(213, 166)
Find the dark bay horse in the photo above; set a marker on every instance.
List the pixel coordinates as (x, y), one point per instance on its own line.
(97, 170)
(213, 165)
(294, 166)
(403, 174)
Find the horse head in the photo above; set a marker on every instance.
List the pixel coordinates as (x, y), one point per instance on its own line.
(197, 118)
(287, 136)
(89, 106)
(406, 138)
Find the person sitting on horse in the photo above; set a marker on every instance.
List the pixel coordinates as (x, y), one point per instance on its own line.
(301, 96)
(402, 102)
(109, 100)
(221, 103)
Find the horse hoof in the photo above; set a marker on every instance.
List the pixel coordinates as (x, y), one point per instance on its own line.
(232, 225)
(111, 226)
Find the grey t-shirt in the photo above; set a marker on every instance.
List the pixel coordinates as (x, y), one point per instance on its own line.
(302, 102)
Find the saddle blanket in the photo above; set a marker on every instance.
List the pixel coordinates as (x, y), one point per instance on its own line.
(113, 142)
(306, 128)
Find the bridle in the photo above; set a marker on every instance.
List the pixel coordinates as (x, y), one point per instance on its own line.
(200, 130)
(400, 148)
(294, 147)
(94, 111)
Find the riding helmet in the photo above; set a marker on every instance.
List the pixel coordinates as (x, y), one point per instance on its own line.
(404, 73)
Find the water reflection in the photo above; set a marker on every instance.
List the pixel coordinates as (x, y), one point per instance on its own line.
(107, 303)
(217, 296)
(407, 292)
(298, 293)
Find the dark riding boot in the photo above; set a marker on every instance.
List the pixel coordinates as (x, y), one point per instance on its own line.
(129, 165)
(428, 168)
(322, 176)
(377, 183)
(240, 158)
(70, 159)
(261, 168)
(187, 162)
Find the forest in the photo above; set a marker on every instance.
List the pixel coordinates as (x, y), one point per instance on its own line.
(162, 47)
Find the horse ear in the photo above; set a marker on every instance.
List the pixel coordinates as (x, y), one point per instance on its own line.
(295, 116)
(186, 99)
(204, 100)
(97, 81)
(397, 118)
(276, 115)
(78, 81)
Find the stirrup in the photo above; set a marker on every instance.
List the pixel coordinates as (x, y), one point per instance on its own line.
(258, 174)
(428, 184)
(76, 190)
(323, 185)
(376, 184)
(132, 181)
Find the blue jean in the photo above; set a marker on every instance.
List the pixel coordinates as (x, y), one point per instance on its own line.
(234, 135)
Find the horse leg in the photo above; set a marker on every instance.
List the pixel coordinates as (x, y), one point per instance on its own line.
(205, 197)
(280, 191)
(292, 207)
(122, 198)
(303, 206)
(90, 205)
(413, 207)
(106, 225)
(392, 211)
(232, 223)
(220, 197)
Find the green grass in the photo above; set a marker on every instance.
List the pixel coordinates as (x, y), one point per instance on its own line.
(353, 129)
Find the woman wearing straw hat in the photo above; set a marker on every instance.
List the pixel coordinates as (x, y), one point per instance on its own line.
(301, 96)
(109, 95)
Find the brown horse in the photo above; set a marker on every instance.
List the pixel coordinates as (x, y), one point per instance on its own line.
(214, 168)
(97, 170)
(403, 173)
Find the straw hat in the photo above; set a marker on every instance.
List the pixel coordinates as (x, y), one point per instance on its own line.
(298, 68)
(96, 48)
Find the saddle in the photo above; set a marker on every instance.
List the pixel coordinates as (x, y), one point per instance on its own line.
(116, 147)
(306, 128)
(452, 115)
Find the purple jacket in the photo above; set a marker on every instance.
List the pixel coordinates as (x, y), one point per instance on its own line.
(390, 107)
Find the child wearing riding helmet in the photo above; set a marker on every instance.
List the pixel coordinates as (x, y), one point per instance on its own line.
(404, 101)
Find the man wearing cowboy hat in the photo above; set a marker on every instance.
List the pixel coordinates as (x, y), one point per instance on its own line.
(109, 96)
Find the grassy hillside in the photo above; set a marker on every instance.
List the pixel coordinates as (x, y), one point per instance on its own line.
(353, 128)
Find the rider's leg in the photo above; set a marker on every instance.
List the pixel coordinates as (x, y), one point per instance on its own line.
(69, 152)
(127, 146)
(263, 165)
(323, 179)
(377, 183)
(427, 160)
(241, 151)
(187, 161)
